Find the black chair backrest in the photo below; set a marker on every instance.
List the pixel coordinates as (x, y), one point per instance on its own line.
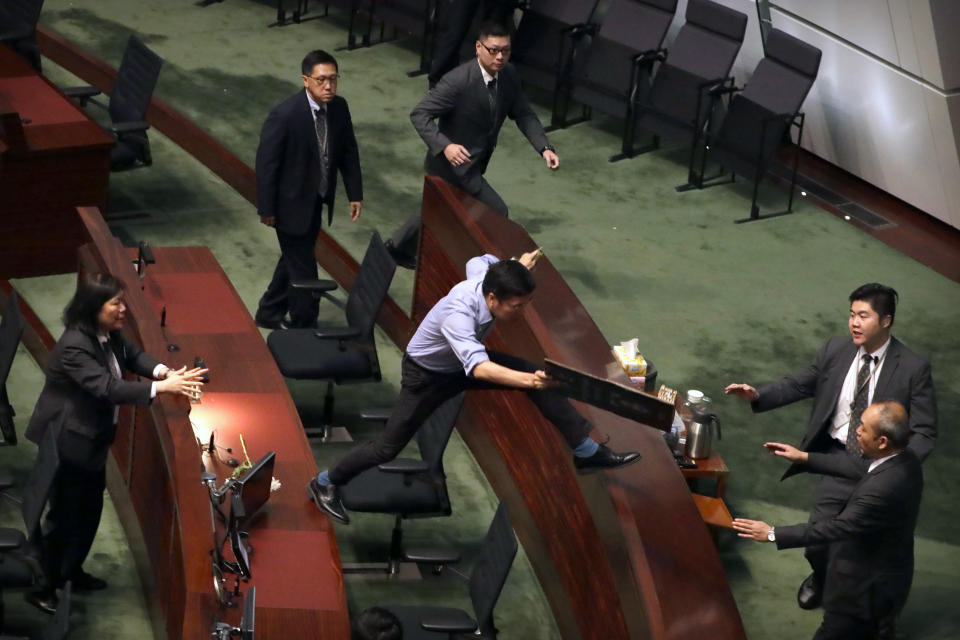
(708, 42)
(136, 79)
(564, 11)
(434, 433)
(11, 329)
(640, 25)
(783, 78)
(39, 482)
(491, 569)
(17, 15)
(371, 286)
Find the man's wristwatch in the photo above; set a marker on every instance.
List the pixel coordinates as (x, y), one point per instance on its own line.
(546, 148)
(771, 535)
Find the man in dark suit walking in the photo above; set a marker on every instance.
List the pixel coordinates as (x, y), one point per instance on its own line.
(846, 377)
(304, 141)
(460, 120)
(871, 565)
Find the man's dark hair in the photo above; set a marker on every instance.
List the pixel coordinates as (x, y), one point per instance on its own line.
(508, 279)
(893, 422)
(882, 299)
(492, 29)
(376, 623)
(83, 310)
(318, 56)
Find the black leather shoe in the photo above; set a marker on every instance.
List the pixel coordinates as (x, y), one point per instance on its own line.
(604, 458)
(809, 593)
(326, 499)
(83, 581)
(402, 259)
(46, 601)
(270, 324)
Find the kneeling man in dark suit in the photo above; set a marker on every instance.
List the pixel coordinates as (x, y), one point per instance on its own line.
(871, 565)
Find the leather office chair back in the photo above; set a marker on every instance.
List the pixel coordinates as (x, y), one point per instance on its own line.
(18, 25)
(537, 43)
(136, 79)
(491, 569)
(708, 42)
(370, 288)
(784, 76)
(11, 329)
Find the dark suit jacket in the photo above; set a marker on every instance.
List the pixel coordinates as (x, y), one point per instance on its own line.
(80, 385)
(871, 564)
(905, 377)
(288, 162)
(457, 110)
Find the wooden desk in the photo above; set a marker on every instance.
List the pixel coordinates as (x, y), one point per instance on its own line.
(622, 554)
(49, 165)
(154, 475)
(712, 467)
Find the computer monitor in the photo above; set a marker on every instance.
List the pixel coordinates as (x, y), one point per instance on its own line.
(628, 402)
(249, 613)
(254, 486)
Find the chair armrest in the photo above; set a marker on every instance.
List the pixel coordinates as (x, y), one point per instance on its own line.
(432, 556)
(405, 466)
(81, 92)
(314, 286)
(129, 127)
(453, 622)
(337, 333)
(381, 414)
(11, 539)
(650, 55)
(6, 479)
(720, 89)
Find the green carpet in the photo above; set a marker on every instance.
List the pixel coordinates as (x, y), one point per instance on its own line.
(712, 302)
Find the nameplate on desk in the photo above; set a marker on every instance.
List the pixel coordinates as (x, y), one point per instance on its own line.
(621, 399)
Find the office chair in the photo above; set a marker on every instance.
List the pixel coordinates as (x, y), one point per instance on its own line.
(339, 354)
(132, 89)
(538, 42)
(485, 583)
(760, 116)
(408, 488)
(676, 105)
(11, 329)
(18, 567)
(18, 28)
(609, 61)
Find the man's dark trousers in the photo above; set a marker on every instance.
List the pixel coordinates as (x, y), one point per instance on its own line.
(422, 391)
(297, 262)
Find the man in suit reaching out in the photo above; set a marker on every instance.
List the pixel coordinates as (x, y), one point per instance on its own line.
(460, 120)
(304, 141)
(844, 379)
(871, 566)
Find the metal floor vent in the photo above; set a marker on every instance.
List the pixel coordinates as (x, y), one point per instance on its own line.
(862, 215)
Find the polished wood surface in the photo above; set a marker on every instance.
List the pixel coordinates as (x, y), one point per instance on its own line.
(53, 157)
(621, 554)
(155, 472)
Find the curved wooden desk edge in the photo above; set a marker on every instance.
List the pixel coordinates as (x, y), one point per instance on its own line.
(664, 573)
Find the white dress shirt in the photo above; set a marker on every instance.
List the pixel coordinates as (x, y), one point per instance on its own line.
(841, 414)
(879, 461)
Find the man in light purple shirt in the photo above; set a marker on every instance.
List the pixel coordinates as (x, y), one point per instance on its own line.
(446, 356)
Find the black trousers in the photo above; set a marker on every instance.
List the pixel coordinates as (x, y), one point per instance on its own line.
(76, 502)
(297, 261)
(406, 239)
(455, 17)
(422, 391)
(829, 499)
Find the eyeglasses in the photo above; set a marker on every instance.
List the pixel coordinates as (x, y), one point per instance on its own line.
(322, 80)
(495, 50)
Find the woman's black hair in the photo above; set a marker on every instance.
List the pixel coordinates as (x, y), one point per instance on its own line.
(93, 291)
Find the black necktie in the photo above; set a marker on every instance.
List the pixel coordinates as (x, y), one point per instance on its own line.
(320, 123)
(492, 96)
(860, 401)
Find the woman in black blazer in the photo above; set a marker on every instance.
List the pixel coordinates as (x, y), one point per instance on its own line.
(85, 384)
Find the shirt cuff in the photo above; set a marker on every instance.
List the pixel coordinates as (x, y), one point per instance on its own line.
(153, 390)
(158, 369)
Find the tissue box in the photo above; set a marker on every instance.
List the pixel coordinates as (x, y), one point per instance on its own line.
(633, 366)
